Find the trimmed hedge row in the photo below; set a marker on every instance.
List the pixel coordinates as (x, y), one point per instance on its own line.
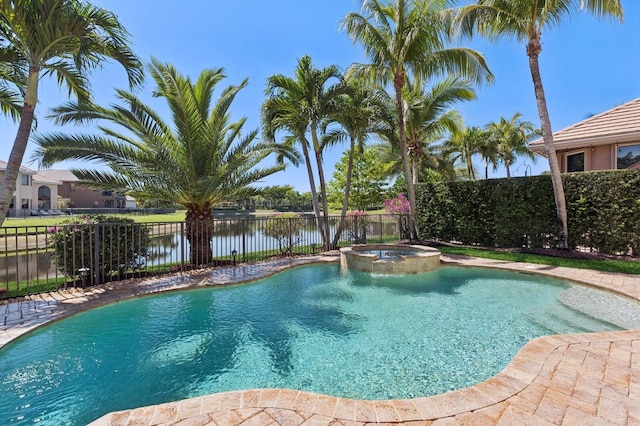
(603, 210)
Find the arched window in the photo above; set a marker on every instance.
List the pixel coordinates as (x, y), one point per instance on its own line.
(44, 198)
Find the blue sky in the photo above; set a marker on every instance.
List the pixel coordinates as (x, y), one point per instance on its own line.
(587, 66)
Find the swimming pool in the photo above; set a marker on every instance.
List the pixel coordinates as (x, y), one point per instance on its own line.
(312, 328)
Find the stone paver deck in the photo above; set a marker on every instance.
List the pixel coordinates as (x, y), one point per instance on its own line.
(578, 379)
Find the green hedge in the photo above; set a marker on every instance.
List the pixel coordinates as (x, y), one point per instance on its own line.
(603, 210)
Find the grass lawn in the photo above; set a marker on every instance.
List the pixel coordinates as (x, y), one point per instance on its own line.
(57, 220)
(608, 265)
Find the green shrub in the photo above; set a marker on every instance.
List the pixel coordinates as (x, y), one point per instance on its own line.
(603, 210)
(116, 245)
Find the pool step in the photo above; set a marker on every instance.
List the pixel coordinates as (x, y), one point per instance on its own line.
(560, 319)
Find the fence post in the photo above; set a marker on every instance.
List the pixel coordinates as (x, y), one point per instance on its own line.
(290, 237)
(244, 240)
(95, 277)
(182, 246)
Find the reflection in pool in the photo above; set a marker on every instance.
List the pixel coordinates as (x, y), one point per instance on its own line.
(314, 328)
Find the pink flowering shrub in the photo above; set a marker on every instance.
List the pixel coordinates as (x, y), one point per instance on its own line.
(398, 205)
(400, 208)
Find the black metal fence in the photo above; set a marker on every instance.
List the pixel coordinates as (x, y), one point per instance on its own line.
(36, 259)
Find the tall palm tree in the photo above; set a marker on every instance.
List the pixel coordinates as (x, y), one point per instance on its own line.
(63, 38)
(525, 20)
(512, 138)
(428, 117)
(409, 36)
(199, 160)
(299, 105)
(356, 113)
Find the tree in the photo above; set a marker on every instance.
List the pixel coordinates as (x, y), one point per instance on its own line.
(299, 105)
(525, 20)
(487, 148)
(429, 117)
(364, 185)
(357, 113)
(512, 138)
(464, 144)
(199, 160)
(407, 36)
(62, 38)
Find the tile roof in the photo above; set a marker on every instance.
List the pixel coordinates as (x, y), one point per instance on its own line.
(23, 169)
(61, 175)
(618, 125)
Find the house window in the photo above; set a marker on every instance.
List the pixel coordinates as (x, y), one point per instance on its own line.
(108, 203)
(44, 197)
(628, 157)
(25, 180)
(96, 203)
(25, 204)
(107, 193)
(575, 162)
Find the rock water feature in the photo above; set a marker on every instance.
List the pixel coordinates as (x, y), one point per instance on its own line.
(390, 258)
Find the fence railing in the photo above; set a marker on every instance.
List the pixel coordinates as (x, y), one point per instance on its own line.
(36, 259)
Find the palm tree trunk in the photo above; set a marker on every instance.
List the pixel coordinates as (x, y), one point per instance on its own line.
(506, 164)
(10, 177)
(398, 83)
(323, 186)
(533, 50)
(314, 193)
(347, 190)
(199, 228)
(414, 168)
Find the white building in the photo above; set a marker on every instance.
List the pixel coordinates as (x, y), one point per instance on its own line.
(33, 193)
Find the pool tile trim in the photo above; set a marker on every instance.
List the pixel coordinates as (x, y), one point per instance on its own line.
(561, 379)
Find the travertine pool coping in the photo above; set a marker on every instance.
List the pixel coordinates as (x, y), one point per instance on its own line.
(564, 379)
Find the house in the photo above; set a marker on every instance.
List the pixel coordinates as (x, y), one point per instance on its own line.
(84, 198)
(610, 140)
(34, 193)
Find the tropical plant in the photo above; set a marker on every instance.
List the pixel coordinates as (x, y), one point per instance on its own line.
(299, 105)
(62, 38)
(199, 161)
(525, 20)
(358, 114)
(511, 138)
(464, 144)
(399, 208)
(428, 118)
(406, 36)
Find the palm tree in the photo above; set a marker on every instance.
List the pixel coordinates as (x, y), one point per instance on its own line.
(12, 86)
(199, 160)
(525, 20)
(299, 105)
(512, 138)
(62, 38)
(409, 36)
(463, 145)
(356, 113)
(428, 117)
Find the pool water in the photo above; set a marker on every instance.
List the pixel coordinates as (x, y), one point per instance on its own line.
(389, 253)
(314, 328)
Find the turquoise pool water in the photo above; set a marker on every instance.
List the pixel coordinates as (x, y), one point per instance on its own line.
(314, 328)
